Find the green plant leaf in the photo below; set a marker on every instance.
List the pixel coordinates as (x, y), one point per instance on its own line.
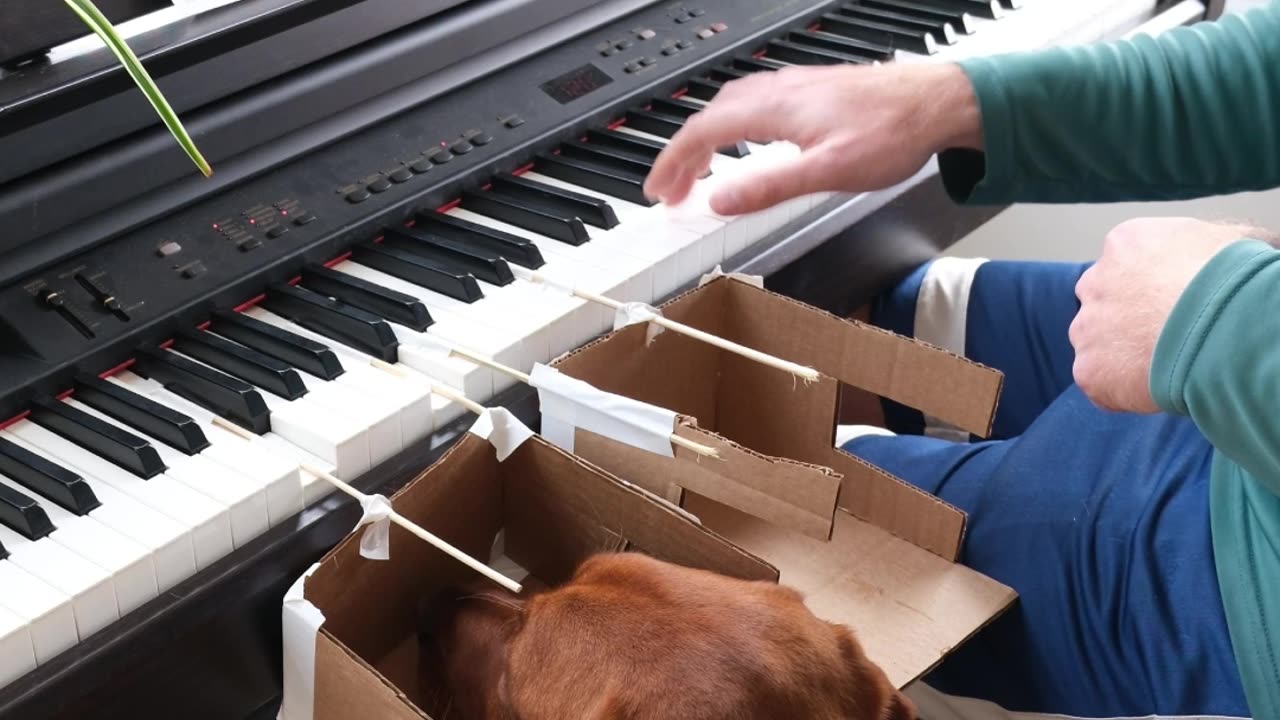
(100, 25)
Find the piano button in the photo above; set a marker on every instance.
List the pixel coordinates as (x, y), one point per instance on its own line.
(333, 319)
(122, 448)
(358, 196)
(439, 155)
(841, 43)
(421, 165)
(941, 30)
(299, 352)
(988, 9)
(379, 185)
(477, 137)
(92, 593)
(241, 362)
(958, 19)
(400, 175)
(515, 249)
(304, 219)
(65, 488)
(245, 501)
(684, 44)
(461, 147)
(894, 36)
(412, 268)
(23, 515)
(607, 156)
(233, 399)
(521, 213)
(206, 520)
(129, 564)
(590, 210)
(249, 244)
(614, 183)
(174, 428)
(17, 651)
(513, 121)
(48, 612)
(367, 296)
(461, 256)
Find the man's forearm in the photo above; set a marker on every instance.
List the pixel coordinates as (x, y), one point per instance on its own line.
(1193, 112)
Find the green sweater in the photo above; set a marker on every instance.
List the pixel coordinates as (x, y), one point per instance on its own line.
(1191, 113)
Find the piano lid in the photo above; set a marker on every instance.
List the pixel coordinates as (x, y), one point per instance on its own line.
(198, 51)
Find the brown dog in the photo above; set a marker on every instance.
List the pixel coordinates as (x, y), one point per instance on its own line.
(633, 638)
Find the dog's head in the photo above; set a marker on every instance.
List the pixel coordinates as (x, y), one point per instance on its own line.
(633, 638)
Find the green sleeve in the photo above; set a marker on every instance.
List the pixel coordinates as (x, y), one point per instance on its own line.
(1192, 112)
(1218, 358)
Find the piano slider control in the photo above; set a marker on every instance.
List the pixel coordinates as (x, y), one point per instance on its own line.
(97, 286)
(57, 300)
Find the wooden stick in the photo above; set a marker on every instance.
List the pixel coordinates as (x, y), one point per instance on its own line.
(804, 373)
(443, 391)
(417, 530)
(696, 447)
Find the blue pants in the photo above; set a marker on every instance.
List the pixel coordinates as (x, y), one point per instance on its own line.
(1100, 521)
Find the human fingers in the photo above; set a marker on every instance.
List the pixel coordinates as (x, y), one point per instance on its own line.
(767, 187)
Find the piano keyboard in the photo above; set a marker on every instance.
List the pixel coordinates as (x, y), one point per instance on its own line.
(138, 479)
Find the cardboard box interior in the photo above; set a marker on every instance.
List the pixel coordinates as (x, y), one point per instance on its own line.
(553, 511)
(888, 569)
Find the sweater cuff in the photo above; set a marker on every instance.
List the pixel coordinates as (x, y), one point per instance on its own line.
(1206, 299)
(987, 176)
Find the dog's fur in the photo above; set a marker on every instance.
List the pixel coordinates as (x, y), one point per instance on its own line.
(633, 638)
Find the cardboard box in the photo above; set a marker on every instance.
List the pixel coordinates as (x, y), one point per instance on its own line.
(553, 511)
(888, 568)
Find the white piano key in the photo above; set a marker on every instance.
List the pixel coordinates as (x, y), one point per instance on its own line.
(17, 651)
(208, 521)
(47, 612)
(92, 592)
(170, 544)
(245, 500)
(129, 564)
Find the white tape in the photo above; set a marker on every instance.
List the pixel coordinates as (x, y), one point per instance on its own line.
(633, 313)
(301, 623)
(755, 280)
(569, 403)
(502, 429)
(375, 544)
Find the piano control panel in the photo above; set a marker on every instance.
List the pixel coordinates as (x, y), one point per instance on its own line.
(200, 258)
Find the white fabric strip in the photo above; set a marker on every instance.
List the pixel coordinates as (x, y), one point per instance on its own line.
(933, 705)
(756, 280)
(502, 429)
(375, 543)
(942, 311)
(569, 403)
(633, 313)
(301, 623)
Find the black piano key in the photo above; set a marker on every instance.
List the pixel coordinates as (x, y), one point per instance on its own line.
(640, 147)
(623, 186)
(20, 513)
(1011, 4)
(590, 210)
(47, 478)
(989, 9)
(481, 262)
(300, 352)
(941, 30)
(761, 64)
(802, 55)
(230, 398)
(525, 214)
(3, 553)
(656, 123)
(102, 438)
(239, 361)
(883, 33)
(727, 74)
(518, 250)
(840, 43)
(350, 326)
(702, 89)
(962, 21)
(368, 296)
(605, 155)
(143, 413)
(417, 270)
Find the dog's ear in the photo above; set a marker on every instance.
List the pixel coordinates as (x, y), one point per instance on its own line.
(900, 707)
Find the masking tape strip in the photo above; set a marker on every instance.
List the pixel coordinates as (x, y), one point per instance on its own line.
(717, 272)
(634, 313)
(301, 623)
(569, 403)
(502, 429)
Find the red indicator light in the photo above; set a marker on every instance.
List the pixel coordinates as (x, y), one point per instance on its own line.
(252, 221)
(284, 212)
(215, 226)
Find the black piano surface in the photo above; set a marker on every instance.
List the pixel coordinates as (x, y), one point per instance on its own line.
(312, 137)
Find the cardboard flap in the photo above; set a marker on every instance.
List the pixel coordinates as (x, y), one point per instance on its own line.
(934, 381)
(560, 510)
(909, 608)
(348, 687)
(791, 494)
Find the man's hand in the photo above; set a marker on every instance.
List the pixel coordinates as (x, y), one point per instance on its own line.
(1128, 295)
(860, 129)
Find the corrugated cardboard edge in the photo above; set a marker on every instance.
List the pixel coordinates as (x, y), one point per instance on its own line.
(340, 696)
